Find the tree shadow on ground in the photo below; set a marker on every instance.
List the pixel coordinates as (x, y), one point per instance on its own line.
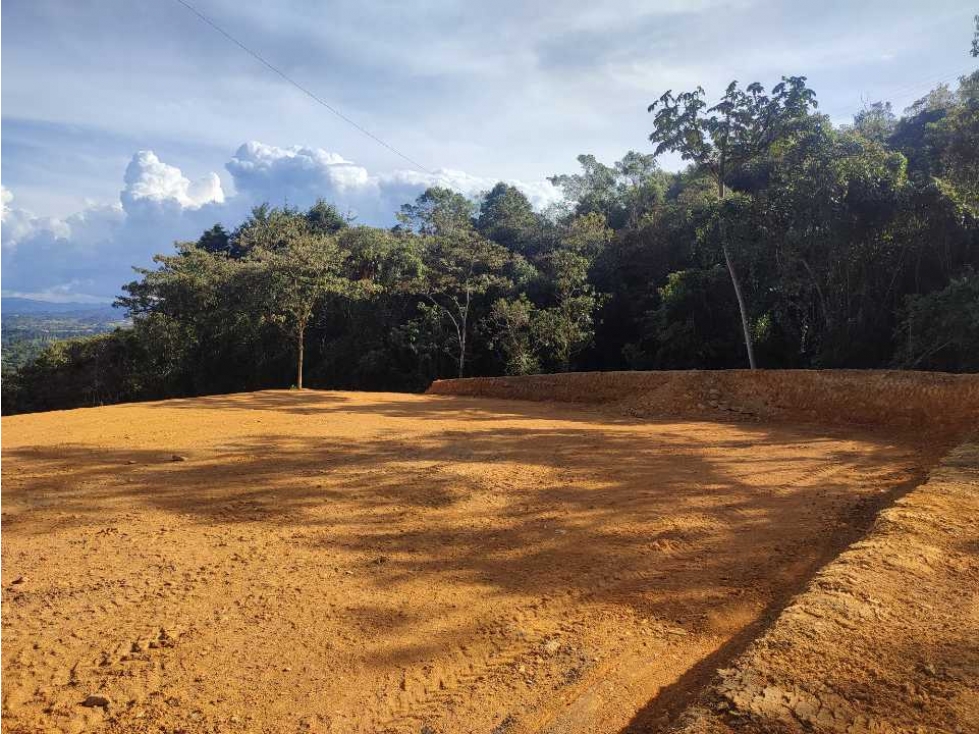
(641, 498)
(399, 405)
(671, 520)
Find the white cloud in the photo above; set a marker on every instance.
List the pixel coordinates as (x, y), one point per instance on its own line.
(150, 179)
(89, 254)
(19, 224)
(300, 174)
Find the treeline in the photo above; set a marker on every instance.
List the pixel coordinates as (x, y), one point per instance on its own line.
(785, 239)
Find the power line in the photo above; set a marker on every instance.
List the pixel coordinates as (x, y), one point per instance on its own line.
(895, 92)
(300, 87)
(911, 89)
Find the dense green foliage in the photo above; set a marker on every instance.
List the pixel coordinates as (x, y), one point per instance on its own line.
(813, 246)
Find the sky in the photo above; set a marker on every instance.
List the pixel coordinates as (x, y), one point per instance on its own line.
(129, 125)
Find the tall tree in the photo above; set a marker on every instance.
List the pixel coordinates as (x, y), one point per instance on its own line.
(592, 190)
(325, 218)
(507, 218)
(457, 268)
(565, 328)
(619, 192)
(437, 211)
(726, 139)
(298, 276)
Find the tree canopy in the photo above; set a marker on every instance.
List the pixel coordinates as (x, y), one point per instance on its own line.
(784, 240)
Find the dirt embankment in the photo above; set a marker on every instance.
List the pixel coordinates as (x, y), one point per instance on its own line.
(936, 402)
(884, 638)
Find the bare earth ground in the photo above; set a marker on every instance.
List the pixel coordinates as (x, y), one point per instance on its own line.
(883, 641)
(343, 562)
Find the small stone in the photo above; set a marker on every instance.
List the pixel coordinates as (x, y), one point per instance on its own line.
(552, 646)
(178, 457)
(18, 580)
(95, 701)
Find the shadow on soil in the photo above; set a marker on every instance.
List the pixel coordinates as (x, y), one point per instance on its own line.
(400, 405)
(675, 507)
(665, 708)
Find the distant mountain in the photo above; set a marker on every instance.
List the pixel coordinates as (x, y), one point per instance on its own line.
(11, 306)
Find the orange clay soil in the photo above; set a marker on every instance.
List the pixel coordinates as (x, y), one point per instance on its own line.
(883, 641)
(352, 562)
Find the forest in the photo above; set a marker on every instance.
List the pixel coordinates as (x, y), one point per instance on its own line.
(784, 242)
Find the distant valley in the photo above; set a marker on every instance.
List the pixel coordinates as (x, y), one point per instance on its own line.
(27, 326)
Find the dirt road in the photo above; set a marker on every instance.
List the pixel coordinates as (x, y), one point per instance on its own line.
(344, 562)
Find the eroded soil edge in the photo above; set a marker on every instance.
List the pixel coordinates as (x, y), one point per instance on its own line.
(883, 639)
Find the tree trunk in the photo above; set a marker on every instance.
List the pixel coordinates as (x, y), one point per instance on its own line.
(745, 327)
(827, 319)
(462, 327)
(749, 346)
(462, 351)
(299, 367)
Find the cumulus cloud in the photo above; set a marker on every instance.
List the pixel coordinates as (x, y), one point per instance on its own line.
(48, 258)
(148, 179)
(20, 224)
(300, 174)
(89, 254)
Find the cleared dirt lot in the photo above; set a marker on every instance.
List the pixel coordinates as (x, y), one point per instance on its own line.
(379, 562)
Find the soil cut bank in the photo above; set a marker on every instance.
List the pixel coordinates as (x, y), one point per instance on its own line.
(943, 404)
(286, 561)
